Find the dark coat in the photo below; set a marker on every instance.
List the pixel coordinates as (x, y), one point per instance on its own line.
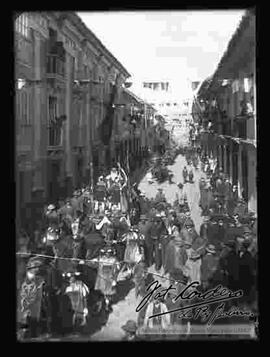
(208, 267)
(246, 272)
(231, 266)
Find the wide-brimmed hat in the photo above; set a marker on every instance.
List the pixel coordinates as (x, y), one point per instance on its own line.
(51, 207)
(34, 263)
(130, 326)
(160, 189)
(211, 248)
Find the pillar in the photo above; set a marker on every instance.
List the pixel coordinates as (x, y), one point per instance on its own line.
(225, 158)
(240, 185)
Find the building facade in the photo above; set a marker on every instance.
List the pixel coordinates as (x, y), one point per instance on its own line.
(132, 134)
(227, 108)
(64, 80)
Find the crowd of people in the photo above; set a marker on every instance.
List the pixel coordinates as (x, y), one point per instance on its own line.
(113, 232)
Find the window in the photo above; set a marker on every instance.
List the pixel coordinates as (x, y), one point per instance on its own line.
(55, 130)
(23, 106)
(22, 25)
(85, 71)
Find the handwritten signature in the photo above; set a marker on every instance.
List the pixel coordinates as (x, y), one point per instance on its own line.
(199, 308)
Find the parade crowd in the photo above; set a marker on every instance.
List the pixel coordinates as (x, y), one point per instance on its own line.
(69, 271)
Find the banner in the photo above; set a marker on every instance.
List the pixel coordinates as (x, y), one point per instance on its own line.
(105, 128)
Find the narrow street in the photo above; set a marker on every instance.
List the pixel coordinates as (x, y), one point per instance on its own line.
(125, 310)
(112, 182)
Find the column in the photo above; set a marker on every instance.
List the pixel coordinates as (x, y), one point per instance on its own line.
(240, 184)
(225, 158)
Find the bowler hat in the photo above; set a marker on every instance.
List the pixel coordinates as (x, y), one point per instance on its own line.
(130, 326)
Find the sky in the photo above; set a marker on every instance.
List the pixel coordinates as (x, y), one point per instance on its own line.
(176, 45)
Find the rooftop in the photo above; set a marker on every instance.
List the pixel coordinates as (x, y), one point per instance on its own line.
(73, 17)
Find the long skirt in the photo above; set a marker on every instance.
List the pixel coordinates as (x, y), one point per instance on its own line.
(131, 252)
(105, 279)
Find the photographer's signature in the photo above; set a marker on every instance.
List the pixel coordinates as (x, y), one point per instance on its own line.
(200, 308)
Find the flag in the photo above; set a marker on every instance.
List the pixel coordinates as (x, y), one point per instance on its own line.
(105, 128)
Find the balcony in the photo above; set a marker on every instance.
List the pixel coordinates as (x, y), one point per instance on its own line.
(55, 67)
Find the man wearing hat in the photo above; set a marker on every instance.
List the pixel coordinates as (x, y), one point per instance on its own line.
(100, 194)
(157, 306)
(188, 232)
(185, 174)
(158, 229)
(144, 227)
(246, 270)
(160, 196)
(209, 267)
(74, 201)
(229, 263)
(52, 218)
(130, 329)
(205, 228)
